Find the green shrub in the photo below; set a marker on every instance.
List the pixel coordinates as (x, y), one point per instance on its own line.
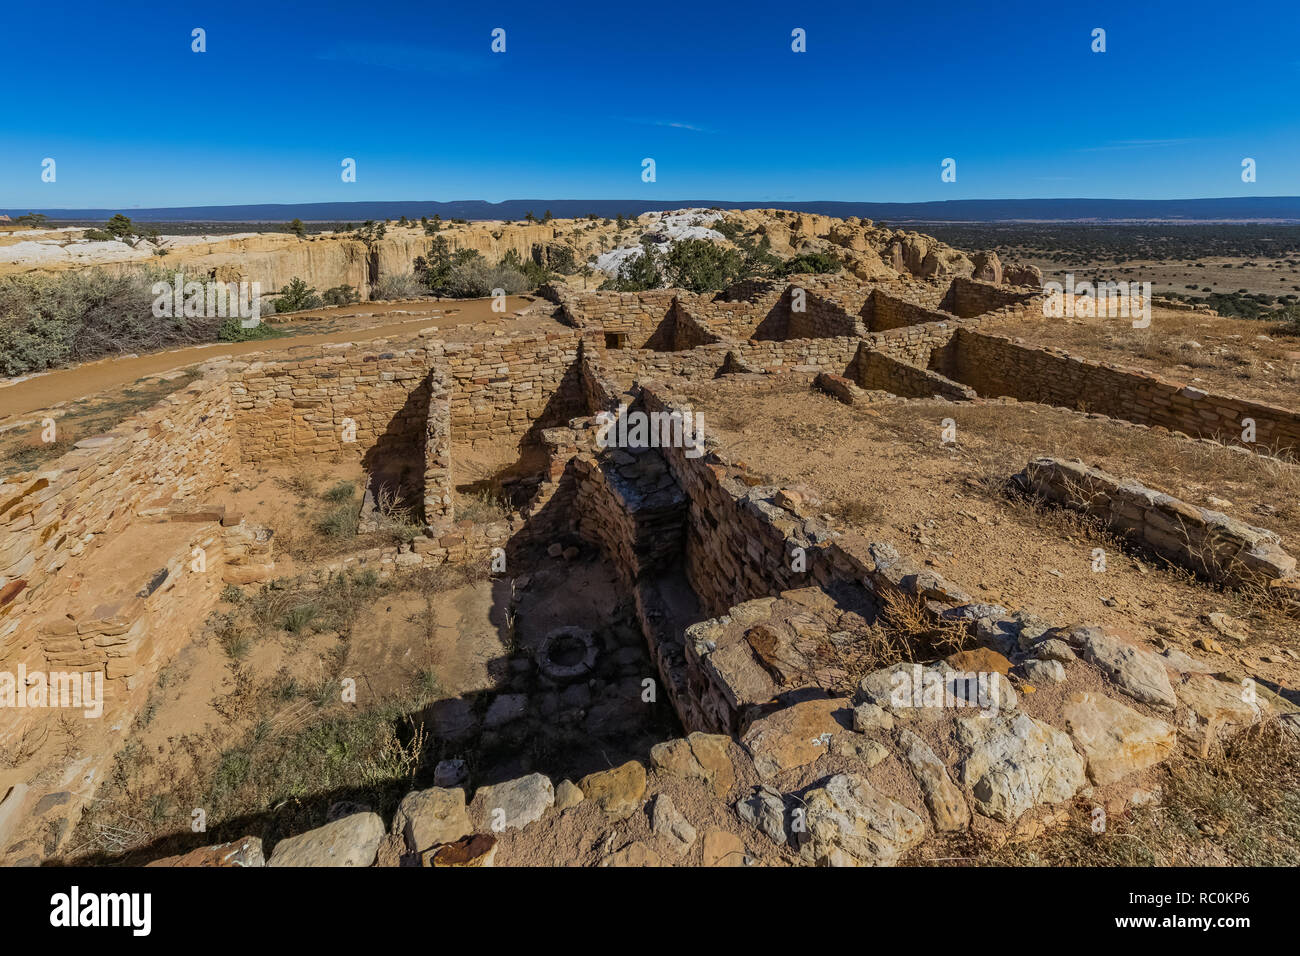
(297, 296)
(340, 522)
(341, 295)
(639, 272)
(46, 321)
(815, 262)
(340, 492)
(119, 226)
(232, 330)
(404, 285)
(465, 274)
(701, 265)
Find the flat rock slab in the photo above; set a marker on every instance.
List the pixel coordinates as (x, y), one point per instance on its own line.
(505, 709)
(1221, 704)
(634, 855)
(1116, 740)
(721, 848)
(698, 756)
(515, 803)
(850, 823)
(764, 809)
(797, 735)
(1015, 763)
(477, 850)
(245, 852)
(946, 802)
(618, 792)
(667, 821)
(1140, 674)
(351, 841)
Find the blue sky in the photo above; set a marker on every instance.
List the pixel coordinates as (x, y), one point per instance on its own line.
(585, 91)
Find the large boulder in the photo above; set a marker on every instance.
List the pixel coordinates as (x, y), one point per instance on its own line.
(350, 841)
(245, 852)
(1116, 740)
(427, 818)
(513, 804)
(667, 821)
(1022, 274)
(850, 823)
(796, 735)
(1217, 707)
(1014, 762)
(1139, 673)
(946, 802)
(987, 267)
(618, 791)
(698, 756)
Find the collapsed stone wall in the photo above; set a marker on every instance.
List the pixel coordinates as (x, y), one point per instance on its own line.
(742, 545)
(1208, 542)
(996, 366)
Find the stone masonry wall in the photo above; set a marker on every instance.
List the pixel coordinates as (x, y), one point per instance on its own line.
(437, 452)
(876, 370)
(326, 400)
(53, 520)
(506, 386)
(1209, 543)
(308, 402)
(970, 297)
(996, 366)
(885, 311)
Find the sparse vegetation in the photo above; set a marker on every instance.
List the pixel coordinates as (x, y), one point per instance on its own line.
(75, 316)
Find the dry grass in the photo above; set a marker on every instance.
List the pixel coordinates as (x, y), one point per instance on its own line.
(1238, 806)
(21, 450)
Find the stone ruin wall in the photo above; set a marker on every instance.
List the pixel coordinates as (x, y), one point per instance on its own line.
(1209, 543)
(876, 370)
(51, 519)
(112, 499)
(296, 405)
(996, 366)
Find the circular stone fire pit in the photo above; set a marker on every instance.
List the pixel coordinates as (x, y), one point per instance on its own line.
(567, 653)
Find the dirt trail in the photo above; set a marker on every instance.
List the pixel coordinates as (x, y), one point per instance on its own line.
(69, 384)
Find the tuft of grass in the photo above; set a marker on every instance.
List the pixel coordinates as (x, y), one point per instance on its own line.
(858, 512)
(299, 618)
(483, 507)
(341, 492)
(339, 523)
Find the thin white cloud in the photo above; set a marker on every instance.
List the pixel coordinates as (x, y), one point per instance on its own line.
(669, 124)
(1137, 144)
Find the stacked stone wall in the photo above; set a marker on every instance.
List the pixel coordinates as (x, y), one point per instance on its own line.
(996, 366)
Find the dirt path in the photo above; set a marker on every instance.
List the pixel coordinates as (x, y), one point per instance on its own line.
(69, 384)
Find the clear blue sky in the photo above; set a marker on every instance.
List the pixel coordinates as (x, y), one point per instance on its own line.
(711, 91)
